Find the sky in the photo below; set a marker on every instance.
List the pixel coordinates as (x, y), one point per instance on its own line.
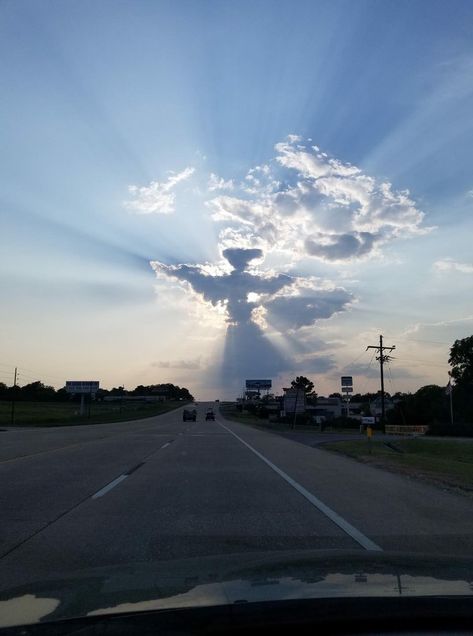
(202, 192)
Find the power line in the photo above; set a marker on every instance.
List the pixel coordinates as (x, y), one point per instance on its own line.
(431, 364)
(353, 361)
(439, 342)
(368, 367)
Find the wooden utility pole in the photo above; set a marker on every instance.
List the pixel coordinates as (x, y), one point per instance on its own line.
(382, 359)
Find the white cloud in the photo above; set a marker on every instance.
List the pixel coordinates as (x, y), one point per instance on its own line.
(219, 183)
(157, 197)
(449, 265)
(306, 203)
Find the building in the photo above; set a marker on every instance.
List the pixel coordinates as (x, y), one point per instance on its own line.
(329, 408)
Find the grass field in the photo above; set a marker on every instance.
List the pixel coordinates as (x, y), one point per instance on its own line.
(67, 413)
(449, 462)
(243, 417)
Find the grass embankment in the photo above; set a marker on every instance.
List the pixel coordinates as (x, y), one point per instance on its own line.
(243, 417)
(449, 462)
(67, 413)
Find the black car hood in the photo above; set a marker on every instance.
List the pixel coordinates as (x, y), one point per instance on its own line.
(240, 578)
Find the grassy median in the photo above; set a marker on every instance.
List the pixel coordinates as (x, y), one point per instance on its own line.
(67, 413)
(449, 462)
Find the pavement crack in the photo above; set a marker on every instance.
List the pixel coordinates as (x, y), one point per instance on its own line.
(44, 527)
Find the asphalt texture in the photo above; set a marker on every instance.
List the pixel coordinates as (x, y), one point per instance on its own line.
(161, 489)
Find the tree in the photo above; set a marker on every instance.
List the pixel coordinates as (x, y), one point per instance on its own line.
(36, 391)
(306, 385)
(461, 361)
(427, 405)
(301, 382)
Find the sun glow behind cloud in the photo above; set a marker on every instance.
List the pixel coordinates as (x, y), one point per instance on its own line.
(300, 204)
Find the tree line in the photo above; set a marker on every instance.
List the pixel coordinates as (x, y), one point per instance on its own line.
(39, 392)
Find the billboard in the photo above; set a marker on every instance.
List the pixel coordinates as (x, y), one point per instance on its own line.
(82, 386)
(347, 380)
(257, 385)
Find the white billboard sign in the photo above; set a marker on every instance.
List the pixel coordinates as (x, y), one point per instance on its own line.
(82, 386)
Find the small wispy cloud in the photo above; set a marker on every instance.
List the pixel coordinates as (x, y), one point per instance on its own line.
(449, 265)
(158, 197)
(178, 364)
(218, 183)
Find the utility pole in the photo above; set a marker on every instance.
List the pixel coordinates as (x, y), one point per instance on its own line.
(382, 359)
(13, 399)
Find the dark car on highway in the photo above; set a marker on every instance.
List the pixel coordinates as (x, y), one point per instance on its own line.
(210, 415)
(189, 414)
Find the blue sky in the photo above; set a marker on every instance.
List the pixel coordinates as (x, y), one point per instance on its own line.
(140, 140)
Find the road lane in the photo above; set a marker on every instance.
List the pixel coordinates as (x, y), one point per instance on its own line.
(19, 443)
(396, 512)
(194, 489)
(204, 494)
(40, 488)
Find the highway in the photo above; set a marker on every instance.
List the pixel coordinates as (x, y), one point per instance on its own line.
(163, 489)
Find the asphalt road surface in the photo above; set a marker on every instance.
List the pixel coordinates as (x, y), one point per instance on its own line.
(161, 489)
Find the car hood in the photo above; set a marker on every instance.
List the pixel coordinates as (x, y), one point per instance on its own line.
(240, 578)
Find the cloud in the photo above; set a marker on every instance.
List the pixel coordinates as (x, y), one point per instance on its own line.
(219, 183)
(371, 371)
(178, 364)
(229, 290)
(264, 298)
(309, 204)
(449, 265)
(339, 247)
(240, 258)
(316, 363)
(157, 197)
(294, 312)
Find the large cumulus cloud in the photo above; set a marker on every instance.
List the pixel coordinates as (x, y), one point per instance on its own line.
(309, 204)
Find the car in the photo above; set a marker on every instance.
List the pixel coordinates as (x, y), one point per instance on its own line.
(210, 415)
(189, 414)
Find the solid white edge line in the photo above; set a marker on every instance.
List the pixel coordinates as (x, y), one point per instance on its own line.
(103, 491)
(166, 444)
(355, 534)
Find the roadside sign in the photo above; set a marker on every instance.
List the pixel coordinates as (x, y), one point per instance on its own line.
(258, 384)
(294, 402)
(347, 389)
(82, 386)
(368, 421)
